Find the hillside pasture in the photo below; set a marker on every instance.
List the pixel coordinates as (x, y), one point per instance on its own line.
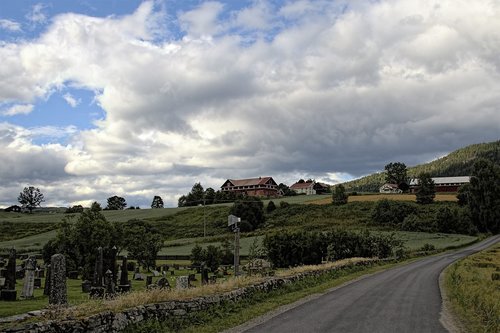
(380, 196)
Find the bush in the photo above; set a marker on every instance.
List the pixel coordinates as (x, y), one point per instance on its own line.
(270, 207)
(299, 248)
(454, 221)
(392, 212)
(284, 204)
(75, 209)
(413, 222)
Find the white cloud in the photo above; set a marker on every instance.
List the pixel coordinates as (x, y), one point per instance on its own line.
(10, 25)
(18, 109)
(334, 91)
(37, 14)
(73, 102)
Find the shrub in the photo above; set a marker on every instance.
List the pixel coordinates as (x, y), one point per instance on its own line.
(270, 207)
(284, 204)
(413, 222)
(392, 212)
(305, 248)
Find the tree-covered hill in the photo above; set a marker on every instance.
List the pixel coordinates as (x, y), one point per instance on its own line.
(457, 163)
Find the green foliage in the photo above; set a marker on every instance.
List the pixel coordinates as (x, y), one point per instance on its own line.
(284, 204)
(287, 192)
(426, 191)
(143, 241)
(157, 202)
(392, 212)
(270, 207)
(95, 207)
(79, 241)
(211, 256)
(395, 173)
(414, 222)
(484, 200)
(30, 197)
(339, 197)
(463, 195)
(251, 211)
(74, 209)
(286, 249)
(454, 221)
(116, 203)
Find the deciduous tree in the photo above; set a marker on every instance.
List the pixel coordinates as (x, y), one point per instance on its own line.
(396, 173)
(426, 190)
(339, 197)
(116, 203)
(30, 197)
(157, 202)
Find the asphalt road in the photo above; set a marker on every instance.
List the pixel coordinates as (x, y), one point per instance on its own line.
(402, 299)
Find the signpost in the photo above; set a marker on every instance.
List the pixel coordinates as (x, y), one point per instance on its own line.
(232, 221)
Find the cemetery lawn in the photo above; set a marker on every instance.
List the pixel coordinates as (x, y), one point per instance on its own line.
(473, 288)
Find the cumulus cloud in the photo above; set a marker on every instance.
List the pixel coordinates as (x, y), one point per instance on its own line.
(73, 102)
(37, 14)
(18, 109)
(327, 90)
(10, 25)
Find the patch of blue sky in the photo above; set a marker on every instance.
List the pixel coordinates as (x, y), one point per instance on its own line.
(73, 108)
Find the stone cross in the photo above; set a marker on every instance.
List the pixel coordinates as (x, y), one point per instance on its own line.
(29, 278)
(57, 293)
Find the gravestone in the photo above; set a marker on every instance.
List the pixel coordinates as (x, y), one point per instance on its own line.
(149, 280)
(58, 294)
(124, 285)
(29, 278)
(46, 288)
(97, 290)
(163, 283)
(204, 275)
(182, 282)
(9, 292)
(156, 273)
(40, 272)
(37, 283)
(172, 273)
(112, 260)
(86, 286)
(110, 284)
(2, 282)
(138, 276)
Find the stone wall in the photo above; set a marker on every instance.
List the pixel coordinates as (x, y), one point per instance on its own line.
(115, 322)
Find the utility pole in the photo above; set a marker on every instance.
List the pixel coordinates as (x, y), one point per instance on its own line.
(204, 219)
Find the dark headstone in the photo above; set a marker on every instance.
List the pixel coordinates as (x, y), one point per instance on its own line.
(172, 273)
(110, 284)
(149, 280)
(46, 288)
(86, 285)
(113, 267)
(138, 277)
(130, 266)
(98, 280)
(73, 275)
(192, 277)
(58, 294)
(37, 283)
(10, 274)
(204, 275)
(9, 292)
(163, 283)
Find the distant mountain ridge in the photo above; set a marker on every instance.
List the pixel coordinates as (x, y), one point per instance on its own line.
(457, 163)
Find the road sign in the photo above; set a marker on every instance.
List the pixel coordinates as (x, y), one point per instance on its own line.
(231, 220)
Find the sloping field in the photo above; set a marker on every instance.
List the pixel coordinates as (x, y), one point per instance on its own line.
(377, 196)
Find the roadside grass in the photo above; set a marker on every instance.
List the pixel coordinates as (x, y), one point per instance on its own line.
(473, 288)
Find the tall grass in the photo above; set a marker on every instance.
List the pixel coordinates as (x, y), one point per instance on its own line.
(473, 292)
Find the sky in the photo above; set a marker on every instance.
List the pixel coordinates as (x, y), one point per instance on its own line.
(144, 98)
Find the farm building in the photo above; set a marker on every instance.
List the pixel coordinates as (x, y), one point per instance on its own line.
(255, 187)
(389, 188)
(14, 208)
(306, 188)
(443, 184)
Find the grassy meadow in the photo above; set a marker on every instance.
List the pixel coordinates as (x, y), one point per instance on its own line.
(473, 287)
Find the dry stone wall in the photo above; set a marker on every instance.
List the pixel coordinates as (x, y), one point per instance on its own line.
(116, 322)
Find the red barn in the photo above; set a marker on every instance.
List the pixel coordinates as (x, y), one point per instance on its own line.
(255, 187)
